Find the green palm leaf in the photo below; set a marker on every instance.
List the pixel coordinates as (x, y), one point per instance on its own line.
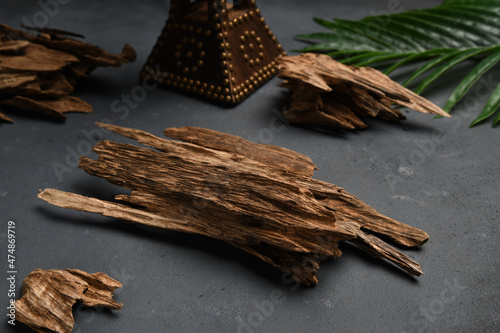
(490, 108)
(443, 37)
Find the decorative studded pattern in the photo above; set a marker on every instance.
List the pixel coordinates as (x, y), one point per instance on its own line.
(215, 50)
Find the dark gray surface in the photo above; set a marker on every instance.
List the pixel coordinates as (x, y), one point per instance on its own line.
(437, 175)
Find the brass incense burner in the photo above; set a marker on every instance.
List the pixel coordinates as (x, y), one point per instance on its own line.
(218, 50)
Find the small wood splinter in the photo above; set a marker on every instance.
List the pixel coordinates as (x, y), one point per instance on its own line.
(48, 297)
(259, 198)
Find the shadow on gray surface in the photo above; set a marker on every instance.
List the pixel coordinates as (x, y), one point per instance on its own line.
(390, 268)
(215, 248)
(20, 327)
(19, 114)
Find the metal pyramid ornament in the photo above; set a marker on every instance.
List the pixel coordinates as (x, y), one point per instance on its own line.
(215, 49)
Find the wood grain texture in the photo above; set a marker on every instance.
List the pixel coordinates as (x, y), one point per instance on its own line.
(51, 84)
(48, 297)
(267, 154)
(36, 58)
(54, 108)
(39, 71)
(328, 93)
(56, 39)
(229, 190)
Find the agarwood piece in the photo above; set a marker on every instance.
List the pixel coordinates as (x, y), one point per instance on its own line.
(36, 58)
(328, 93)
(220, 190)
(54, 33)
(288, 159)
(55, 108)
(48, 297)
(38, 72)
(57, 40)
(13, 46)
(51, 84)
(10, 81)
(5, 118)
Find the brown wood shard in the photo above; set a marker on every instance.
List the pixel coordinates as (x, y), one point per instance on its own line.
(267, 154)
(245, 194)
(38, 72)
(54, 33)
(5, 118)
(10, 81)
(36, 58)
(55, 108)
(58, 40)
(48, 297)
(13, 46)
(52, 84)
(328, 93)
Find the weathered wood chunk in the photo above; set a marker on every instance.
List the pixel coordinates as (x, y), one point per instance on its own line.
(259, 198)
(55, 108)
(38, 72)
(329, 94)
(48, 297)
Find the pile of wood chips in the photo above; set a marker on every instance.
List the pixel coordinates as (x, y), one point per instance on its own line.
(328, 93)
(39, 71)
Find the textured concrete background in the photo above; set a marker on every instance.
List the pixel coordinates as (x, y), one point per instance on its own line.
(437, 175)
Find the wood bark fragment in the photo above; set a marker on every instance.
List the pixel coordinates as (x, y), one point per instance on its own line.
(243, 193)
(51, 84)
(55, 108)
(13, 46)
(328, 93)
(5, 118)
(10, 81)
(59, 40)
(39, 71)
(48, 297)
(266, 154)
(36, 58)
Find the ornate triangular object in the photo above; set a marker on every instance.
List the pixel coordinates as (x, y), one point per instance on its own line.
(218, 50)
